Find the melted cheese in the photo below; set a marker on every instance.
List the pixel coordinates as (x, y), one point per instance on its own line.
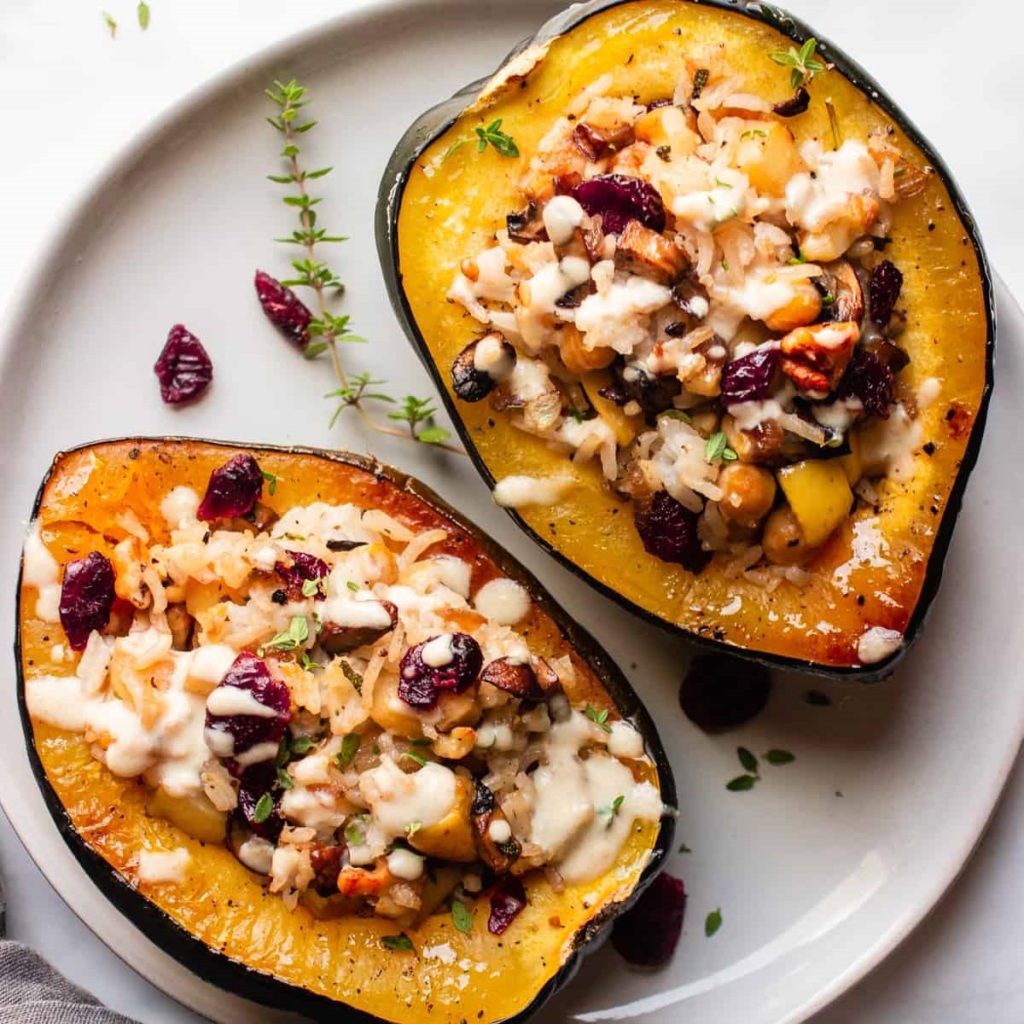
(813, 203)
(562, 216)
(158, 867)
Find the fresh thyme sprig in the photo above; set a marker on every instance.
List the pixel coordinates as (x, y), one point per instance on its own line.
(803, 62)
(328, 328)
(491, 135)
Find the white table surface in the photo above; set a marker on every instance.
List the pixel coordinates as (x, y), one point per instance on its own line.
(73, 97)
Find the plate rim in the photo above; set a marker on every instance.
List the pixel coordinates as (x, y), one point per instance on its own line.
(71, 218)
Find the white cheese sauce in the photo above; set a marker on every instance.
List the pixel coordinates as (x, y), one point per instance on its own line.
(163, 867)
(503, 601)
(398, 800)
(520, 491)
(562, 216)
(41, 571)
(179, 507)
(878, 643)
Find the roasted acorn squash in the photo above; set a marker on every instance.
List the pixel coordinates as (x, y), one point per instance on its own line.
(220, 922)
(437, 207)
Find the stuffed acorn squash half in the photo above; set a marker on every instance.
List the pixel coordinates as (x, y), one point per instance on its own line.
(321, 739)
(712, 318)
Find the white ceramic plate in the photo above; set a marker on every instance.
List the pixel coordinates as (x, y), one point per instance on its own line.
(828, 863)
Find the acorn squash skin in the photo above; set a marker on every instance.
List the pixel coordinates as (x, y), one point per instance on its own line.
(221, 923)
(948, 293)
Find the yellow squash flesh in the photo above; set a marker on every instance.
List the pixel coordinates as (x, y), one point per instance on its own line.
(451, 207)
(220, 902)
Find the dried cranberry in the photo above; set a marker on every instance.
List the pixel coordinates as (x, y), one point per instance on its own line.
(669, 532)
(870, 380)
(750, 378)
(419, 682)
(254, 783)
(283, 308)
(86, 597)
(721, 692)
(233, 490)
(647, 934)
(303, 569)
(184, 368)
(620, 199)
(251, 674)
(508, 898)
(884, 290)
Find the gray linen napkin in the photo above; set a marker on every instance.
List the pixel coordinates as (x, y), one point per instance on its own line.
(32, 992)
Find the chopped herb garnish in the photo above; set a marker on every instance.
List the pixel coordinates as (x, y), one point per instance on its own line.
(676, 414)
(747, 759)
(310, 588)
(283, 752)
(271, 479)
(721, 184)
(462, 917)
(353, 586)
(491, 135)
(609, 811)
(263, 809)
(355, 830)
(108, 20)
(142, 12)
(725, 265)
(351, 675)
(712, 922)
(413, 756)
(717, 448)
(700, 80)
(412, 828)
(797, 260)
(284, 779)
(306, 661)
(349, 748)
(779, 757)
(803, 62)
(741, 783)
(579, 415)
(754, 133)
(295, 636)
(420, 741)
(302, 745)
(599, 718)
(399, 941)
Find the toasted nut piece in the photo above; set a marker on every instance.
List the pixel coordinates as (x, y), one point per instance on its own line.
(363, 881)
(326, 864)
(842, 284)
(336, 638)
(578, 359)
(748, 493)
(648, 253)
(524, 226)
(815, 358)
(597, 140)
(513, 677)
(783, 540)
(499, 856)
(909, 180)
(762, 444)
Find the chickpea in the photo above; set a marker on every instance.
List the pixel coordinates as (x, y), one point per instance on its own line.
(748, 493)
(783, 540)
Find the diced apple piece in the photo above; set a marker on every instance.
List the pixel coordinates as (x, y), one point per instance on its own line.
(192, 814)
(626, 427)
(819, 493)
(451, 838)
